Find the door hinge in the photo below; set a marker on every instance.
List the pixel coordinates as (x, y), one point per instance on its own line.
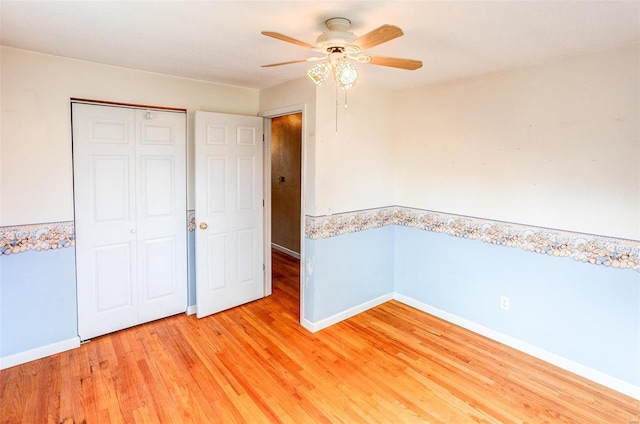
(263, 203)
(264, 268)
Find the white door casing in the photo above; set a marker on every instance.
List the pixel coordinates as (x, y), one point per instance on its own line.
(228, 211)
(130, 216)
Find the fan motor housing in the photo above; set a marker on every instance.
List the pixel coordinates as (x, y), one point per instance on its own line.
(337, 36)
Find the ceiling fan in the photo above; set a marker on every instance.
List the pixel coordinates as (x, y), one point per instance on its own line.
(338, 46)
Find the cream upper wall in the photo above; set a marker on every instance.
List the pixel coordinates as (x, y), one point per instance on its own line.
(352, 168)
(354, 161)
(554, 145)
(36, 183)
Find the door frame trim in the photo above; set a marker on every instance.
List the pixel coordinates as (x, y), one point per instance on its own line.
(126, 105)
(268, 115)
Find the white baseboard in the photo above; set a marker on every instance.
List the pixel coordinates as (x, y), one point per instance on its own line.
(39, 352)
(334, 319)
(308, 325)
(285, 250)
(193, 309)
(566, 364)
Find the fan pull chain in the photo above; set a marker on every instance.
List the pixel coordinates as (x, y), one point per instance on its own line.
(346, 105)
(336, 110)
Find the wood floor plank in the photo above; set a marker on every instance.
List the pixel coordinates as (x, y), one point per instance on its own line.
(256, 364)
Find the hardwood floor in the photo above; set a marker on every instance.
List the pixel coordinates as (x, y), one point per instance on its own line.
(255, 364)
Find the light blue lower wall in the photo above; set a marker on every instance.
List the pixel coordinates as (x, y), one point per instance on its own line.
(191, 268)
(585, 313)
(347, 271)
(308, 311)
(37, 300)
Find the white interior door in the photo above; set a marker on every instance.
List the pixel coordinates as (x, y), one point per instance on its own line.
(228, 211)
(130, 216)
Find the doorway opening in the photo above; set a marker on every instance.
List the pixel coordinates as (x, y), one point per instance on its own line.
(284, 136)
(286, 183)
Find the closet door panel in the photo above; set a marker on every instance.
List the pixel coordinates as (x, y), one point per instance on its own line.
(112, 277)
(159, 273)
(162, 233)
(109, 189)
(105, 216)
(158, 186)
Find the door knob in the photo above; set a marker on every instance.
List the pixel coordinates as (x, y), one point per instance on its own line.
(132, 231)
(203, 225)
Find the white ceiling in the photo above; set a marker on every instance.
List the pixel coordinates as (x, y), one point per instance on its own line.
(220, 41)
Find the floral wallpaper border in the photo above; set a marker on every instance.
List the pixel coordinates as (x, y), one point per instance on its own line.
(593, 249)
(20, 238)
(53, 235)
(597, 250)
(191, 220)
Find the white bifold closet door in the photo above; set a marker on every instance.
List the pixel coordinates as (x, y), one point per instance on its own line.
(130, 216)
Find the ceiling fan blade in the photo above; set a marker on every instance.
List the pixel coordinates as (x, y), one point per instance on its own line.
(377, 36)
(394, 62)
(287, 39)
(309, 59)
(284, 63)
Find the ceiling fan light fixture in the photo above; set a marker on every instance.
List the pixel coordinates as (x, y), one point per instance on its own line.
(337, 45)
(345, 74)
(319, 73)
